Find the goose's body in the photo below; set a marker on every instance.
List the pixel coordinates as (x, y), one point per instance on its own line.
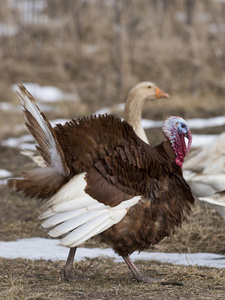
(205, 173)
(217, 202)
(205, 168)
(102, 179)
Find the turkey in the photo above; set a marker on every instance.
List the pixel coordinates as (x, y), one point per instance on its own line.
(102, 180)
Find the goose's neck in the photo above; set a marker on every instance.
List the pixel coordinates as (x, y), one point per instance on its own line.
(133, 114)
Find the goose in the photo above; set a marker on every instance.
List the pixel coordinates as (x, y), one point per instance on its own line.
(135, 102)
(102, 180)
(204, 170)
(216, 201)
(136, 98)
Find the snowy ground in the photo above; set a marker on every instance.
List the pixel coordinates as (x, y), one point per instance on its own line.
(39, 248)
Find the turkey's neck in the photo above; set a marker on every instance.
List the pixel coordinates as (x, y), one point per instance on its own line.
(179, 147)
(133, 114)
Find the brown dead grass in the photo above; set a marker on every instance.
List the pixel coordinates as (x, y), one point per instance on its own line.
(103, 279)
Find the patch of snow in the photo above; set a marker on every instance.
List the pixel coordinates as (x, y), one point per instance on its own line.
(150, 123)
(48, 94)
(196, 123)
(58, 121)
(5, 173)
(40, 248)
(37, 5)
(121, 106)
(199, 140)
(5, 106)
(204, 123)
(7, 30)
(109, 110)
(23, 142)
(102, 111)
(3, 181)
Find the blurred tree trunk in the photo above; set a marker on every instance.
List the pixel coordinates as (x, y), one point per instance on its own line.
(190, 6)
(117, 55)
(132, 23)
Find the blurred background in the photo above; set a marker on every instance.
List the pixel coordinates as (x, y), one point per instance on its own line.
(100, 49)
(79, 57)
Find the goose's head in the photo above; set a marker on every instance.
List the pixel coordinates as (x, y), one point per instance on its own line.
(148, 90)
(175, 130)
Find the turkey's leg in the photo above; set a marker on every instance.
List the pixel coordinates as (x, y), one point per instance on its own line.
(68, 271)
(137, 274)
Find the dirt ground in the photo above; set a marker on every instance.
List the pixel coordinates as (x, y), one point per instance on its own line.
(103, 279)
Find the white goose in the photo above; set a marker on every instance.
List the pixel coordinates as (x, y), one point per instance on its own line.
(204, 170)
(217, 202)
(205, 173)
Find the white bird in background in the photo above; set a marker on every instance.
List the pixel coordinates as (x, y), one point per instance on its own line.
(204, 170)
(217, 202)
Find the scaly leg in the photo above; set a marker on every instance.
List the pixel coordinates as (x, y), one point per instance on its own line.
(68, 271)
(137, 274)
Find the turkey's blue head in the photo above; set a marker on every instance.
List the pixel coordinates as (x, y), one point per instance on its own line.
(175, 130)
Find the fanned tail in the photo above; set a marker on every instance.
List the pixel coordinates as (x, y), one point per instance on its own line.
(41, 183)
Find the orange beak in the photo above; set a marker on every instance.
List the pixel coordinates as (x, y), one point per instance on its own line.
(160, 94)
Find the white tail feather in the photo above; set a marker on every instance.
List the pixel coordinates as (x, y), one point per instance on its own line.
(75, 222)
(86, 231)
(67, 193)
(56, 219)
(78, 215)
(73, 204)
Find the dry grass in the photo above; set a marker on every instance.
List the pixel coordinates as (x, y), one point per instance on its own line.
(104, 279)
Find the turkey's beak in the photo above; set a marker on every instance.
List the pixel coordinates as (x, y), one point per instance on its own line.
(189, 137)
(160, 94)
